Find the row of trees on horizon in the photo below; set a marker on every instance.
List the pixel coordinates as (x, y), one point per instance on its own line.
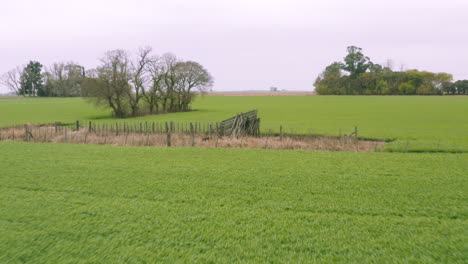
(143, 83)
(358, 75)
(131, 85)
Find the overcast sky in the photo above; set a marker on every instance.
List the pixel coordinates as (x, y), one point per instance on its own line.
(245, 44)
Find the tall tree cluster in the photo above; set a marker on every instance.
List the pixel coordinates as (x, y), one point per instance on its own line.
(63, 80)
(145, 83)
(59, 80)
(358, 75)
(130, 84)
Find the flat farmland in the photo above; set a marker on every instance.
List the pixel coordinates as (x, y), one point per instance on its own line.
(413, 123)
(68, 203)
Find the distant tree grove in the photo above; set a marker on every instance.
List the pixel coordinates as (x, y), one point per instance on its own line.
(129, 85)
(358, 75)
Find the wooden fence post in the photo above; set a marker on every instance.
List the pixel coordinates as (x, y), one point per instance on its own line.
(77, 125)
(355, 132)
(281, 133)
(147, 139)
(168, 135)
(26, 133)
(192, 131)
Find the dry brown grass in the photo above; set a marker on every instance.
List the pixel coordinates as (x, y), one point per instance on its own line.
(61, 135)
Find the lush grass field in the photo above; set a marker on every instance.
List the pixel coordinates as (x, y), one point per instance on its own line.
(41, 110)
(65, 203)
(418, 123)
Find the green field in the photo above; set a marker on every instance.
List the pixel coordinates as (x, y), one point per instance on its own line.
(416, 123)
(66, 203)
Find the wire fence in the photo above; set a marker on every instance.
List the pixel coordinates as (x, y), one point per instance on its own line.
(179, 134)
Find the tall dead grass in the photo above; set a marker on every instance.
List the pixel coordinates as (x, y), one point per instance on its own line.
(83, 136)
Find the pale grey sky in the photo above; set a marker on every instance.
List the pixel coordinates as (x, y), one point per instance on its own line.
(245, 44)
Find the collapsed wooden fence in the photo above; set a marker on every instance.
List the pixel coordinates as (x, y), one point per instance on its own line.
(243, 124)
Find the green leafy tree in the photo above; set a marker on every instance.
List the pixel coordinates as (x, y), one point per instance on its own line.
(329, 81)
(355, 62)
(31, 80)
(442, 82)
(382, 87)
(369, 78)
(461, 86)
(376, 68)
(407, 88)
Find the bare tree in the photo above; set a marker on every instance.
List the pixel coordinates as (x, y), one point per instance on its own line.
(112, 85)
(74, 78)
(173, 83)
(12, 80)
(64, 79)
(389, 64)
(402, 67)
(152, 95)
(139, 78)
(192, 76)
(170, 80)
(164, 83)
(54, 79)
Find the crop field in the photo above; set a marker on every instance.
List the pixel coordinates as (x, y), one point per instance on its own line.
(135, 132)
(412, 123)
(71, 203)
(78, 203)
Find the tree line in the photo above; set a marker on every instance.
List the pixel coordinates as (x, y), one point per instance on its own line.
(131, 85)
(358, 75)
(60, 80)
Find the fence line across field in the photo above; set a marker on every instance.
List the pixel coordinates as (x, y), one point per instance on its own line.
(196, 131)
(172, 134)
(240, 125)
(209, 130)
